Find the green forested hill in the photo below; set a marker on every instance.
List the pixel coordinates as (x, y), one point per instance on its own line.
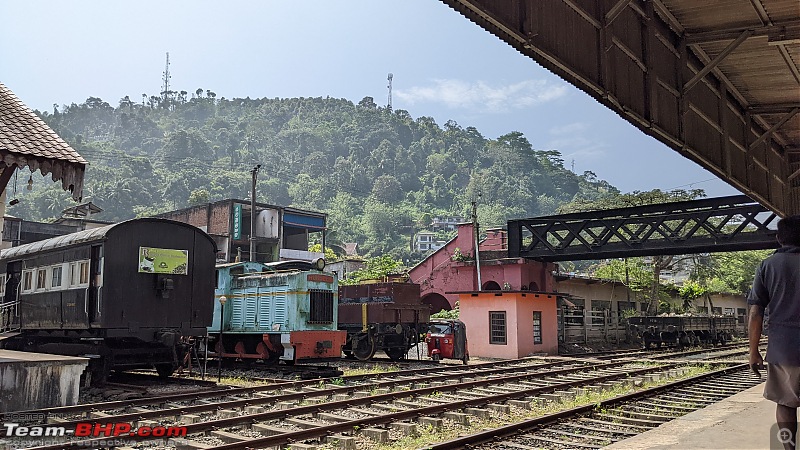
(378, 173)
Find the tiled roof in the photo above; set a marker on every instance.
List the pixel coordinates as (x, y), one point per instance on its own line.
(25, 140)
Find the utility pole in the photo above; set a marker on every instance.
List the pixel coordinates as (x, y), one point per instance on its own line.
(389, 105)
(476, 231)
(165, 94)
(254, 172)
(627, 282)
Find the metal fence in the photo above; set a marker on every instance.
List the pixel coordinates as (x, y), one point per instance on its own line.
(580, 327)
(9, 317)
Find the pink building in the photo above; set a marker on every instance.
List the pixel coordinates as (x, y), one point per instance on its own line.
(452, 269)
(509, 324)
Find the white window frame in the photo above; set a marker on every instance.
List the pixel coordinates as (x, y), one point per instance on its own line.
(50, 271)
(3, 279)
(29, 275)
(75, 272)
(45, 279)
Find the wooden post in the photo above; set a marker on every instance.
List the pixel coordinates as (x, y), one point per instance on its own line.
(586, 327)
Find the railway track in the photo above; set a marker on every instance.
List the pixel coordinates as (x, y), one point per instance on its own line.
(382, 407)
(277, 386)
(612, 420)
(402, 404)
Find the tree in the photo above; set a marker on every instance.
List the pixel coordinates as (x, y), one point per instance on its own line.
(333, 155)
(367, 102)
(329, 255)
(376, 268)
(387, 189)
(690, 291)
(731, 272)
(198, 197)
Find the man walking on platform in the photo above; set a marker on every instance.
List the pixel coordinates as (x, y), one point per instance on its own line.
(777, 286)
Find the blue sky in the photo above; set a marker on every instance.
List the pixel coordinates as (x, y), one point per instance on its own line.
(444, 66)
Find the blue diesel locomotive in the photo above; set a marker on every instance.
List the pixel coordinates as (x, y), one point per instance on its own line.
(282, 311)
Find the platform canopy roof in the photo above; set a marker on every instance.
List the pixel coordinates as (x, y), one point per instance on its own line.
(716, 80)
(26, 141)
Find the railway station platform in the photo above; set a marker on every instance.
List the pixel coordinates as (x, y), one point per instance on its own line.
(743, 421)
(38, 380)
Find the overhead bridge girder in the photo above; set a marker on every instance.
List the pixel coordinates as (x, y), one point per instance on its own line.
(699, 226)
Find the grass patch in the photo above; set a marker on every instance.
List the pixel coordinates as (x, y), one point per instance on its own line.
(240, 382)
(370, 370)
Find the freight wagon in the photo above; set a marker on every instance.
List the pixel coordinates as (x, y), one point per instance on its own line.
(682, 331)
(382, 316)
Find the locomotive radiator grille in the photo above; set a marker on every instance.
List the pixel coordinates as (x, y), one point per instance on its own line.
(321, 306)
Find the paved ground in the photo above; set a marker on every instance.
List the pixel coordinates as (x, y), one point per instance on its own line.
(743, 421)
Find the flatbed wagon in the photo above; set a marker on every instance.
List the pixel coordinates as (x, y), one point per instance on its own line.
(682, 331)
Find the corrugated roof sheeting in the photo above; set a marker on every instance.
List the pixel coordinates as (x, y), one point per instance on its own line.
(715, 80)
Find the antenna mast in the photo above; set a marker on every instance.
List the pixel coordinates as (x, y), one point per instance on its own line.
(167, 76)
(389, 105)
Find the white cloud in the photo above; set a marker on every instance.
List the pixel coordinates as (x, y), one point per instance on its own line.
(572, 128)
(480, 96)
(575, 141)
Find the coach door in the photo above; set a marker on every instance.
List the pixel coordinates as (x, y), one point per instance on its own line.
(95, 292)
(75, 299)
(9, 315)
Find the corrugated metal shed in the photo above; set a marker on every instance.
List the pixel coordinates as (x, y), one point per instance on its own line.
(717, 80)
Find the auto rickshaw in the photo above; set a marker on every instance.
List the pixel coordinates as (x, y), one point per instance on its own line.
(447, 338)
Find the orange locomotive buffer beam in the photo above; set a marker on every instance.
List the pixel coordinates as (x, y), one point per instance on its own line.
(297, 346)
(314, 344)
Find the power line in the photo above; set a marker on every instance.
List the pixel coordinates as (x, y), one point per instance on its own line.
(691, 184)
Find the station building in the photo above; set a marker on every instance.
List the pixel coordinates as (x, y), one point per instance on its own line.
(585, 309)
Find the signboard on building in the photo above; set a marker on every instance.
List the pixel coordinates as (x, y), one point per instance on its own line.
(163, 260)
(237, 221)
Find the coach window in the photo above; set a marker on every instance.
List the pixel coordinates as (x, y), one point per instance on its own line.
(55, 276)
(497, 327)
(73, 274)
(79, 274)
(84, 272)
(27, 281)
(41, 279)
